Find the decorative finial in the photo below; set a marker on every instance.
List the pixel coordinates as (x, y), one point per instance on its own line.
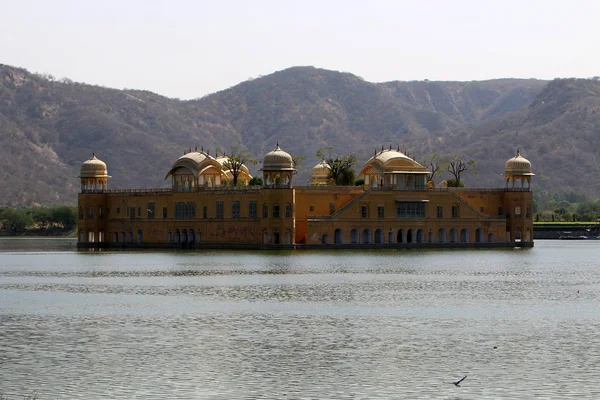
(398, 149)
(390, 146)
(203, 149)
(518, 152)
(196, 149)
(382, 148)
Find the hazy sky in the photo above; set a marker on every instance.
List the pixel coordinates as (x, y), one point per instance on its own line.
(187, 49)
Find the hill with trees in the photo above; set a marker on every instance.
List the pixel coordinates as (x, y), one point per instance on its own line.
(49, 126)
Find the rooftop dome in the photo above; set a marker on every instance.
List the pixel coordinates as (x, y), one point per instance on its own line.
(94, 168)
(278, 160)
(518, 165)
(392, 161)
(321, 170)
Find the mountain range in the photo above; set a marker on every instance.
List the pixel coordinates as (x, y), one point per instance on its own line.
(48, 127)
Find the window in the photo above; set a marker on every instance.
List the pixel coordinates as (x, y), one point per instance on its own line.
(517, 211)
(482, 209)
(275, 210)
(411, 210)
(455, 211)
(165, 212)
(312, 207)
(150, 210)
(204, 212)
(235, 209)
(528, 212)
(81, 212)
(131, 212)
(364, 211)
(185, 210)
(118, 210)
(265, 211)
(288, 210)
(139, 211)
(91, 212)
(252, 209)
(440, 211)
(100, 212)
(499, 210)
(380, 212)
(219, 209)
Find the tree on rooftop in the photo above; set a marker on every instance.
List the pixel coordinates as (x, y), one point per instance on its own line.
(239, 156)
(341, 168)
(457, 166)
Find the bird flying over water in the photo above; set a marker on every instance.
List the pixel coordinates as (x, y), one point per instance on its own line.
(457, 383)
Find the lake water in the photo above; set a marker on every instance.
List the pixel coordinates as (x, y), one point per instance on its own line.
(381, 324)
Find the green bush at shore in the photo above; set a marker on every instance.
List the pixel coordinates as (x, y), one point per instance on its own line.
(56, 220)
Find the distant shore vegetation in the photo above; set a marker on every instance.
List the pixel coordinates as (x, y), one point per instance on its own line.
(38, 221)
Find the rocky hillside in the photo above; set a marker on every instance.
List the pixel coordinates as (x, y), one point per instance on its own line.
(48, 127)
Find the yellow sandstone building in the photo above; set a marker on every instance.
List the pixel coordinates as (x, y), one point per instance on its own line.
(394, 208)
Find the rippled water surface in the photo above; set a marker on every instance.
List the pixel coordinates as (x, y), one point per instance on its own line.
(522, 323)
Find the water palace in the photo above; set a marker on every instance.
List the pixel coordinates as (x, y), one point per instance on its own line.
(395, 208)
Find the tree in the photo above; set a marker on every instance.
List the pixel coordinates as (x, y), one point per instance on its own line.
(15, 220)
(240, 155)
(255, 181)
(434, 163)
(64, 215)
(341, 168)
(456, 166)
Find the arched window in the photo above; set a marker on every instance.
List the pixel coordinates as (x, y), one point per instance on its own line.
(192, 236)
(275, 210)
(139, 236)
(409, 235)
(177, 236)
(491, 238)
(324, 239)
(288, 210)
(265, 213)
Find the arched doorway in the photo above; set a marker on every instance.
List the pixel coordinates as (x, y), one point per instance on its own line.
(337, 236)
(354, 236)
(420, 236)
(122, 237)
(192, 236)
(366, 236)
(177, 236)
(453, 235)
(430, 239)
(324, 239)
(479, 235)
(464, 235)
(441, 235)
(400, 238)
(379, 236)
(184, 236)
(139, 236)
(491, 238)
(409, 236)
